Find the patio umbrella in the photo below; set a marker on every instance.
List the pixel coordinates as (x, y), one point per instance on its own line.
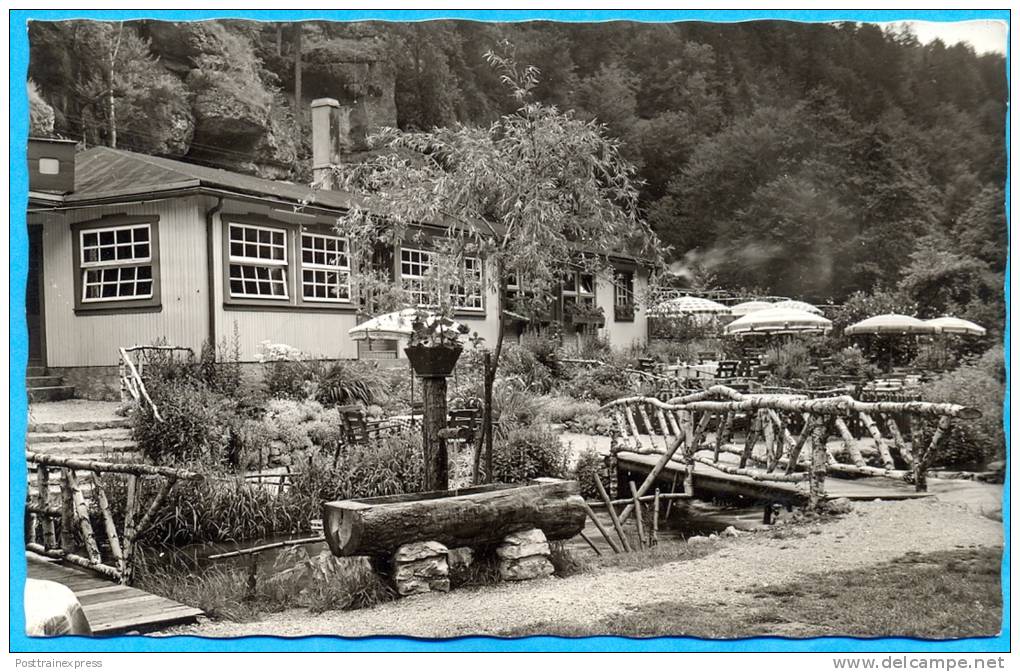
(891, 323)
(778, 321)
(688, 305)
(390, 326)
(955, 325)
(798, 305)
(746, 307)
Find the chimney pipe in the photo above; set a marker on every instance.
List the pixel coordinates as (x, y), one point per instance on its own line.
(331, 127)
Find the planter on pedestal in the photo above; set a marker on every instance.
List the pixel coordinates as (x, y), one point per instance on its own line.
(432, 361)
(434, 364)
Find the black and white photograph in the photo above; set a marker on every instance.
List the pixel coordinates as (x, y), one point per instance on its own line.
(454, 328)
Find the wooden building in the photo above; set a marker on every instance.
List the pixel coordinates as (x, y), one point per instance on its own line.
(128, 249)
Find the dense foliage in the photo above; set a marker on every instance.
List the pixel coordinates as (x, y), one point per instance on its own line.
(981, 385)
(859, 152)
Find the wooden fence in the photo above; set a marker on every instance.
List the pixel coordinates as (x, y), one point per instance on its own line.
(779, 428)
(67, 495)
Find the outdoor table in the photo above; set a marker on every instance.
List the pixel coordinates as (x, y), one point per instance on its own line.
(702, 370)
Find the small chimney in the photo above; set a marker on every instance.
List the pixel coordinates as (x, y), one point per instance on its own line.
(330, 138)
(51, 165)
(338, 131)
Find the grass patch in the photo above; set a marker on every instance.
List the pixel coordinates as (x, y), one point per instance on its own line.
(944, 595)
(662, 553)
(225, 592)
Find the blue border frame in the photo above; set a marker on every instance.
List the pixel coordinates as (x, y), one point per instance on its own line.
(19, 353)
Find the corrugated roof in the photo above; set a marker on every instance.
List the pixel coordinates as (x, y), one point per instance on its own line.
(102, 172)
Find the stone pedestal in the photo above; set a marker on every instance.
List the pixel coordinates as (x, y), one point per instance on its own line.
(524, 556)
(421, 567)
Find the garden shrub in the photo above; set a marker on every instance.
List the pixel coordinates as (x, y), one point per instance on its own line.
(852, 361)
(340, 383)
(196, 424)
(545, 349)
(512, 406)
(590, 465)
(527, 453)
(972, 443)
(594, 424)
(560, 409)
(519, 362)
(601, 383)
(789, 363)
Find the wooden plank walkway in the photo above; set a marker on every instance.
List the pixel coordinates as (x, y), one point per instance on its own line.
(710, 480)
(110, 607)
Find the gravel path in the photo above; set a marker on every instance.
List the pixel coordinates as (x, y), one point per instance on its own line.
(875, 532)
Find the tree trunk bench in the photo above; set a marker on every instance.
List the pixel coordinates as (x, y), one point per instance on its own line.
(478, 516)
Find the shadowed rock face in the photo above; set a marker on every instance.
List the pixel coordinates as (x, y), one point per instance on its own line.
(357, 73)
(239, 112)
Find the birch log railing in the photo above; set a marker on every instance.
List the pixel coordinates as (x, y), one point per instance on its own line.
(68, 496)
(131, 370)
(786, 439)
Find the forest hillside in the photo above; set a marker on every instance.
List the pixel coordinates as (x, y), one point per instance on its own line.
(813, 160)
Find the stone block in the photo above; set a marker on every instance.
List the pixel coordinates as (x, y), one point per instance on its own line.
(418, 550)
(523, 544)
(525, 569)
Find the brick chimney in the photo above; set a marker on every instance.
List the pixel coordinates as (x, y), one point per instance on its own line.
(339, 133)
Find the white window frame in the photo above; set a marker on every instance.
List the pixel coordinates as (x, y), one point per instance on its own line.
(576, 295)
(258, 262)
(414, 283)
(85, 267)
(464, 299)
(342, 271)
(622, 291)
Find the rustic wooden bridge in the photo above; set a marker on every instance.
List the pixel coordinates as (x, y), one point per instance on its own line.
(688, 441)
(87, 545)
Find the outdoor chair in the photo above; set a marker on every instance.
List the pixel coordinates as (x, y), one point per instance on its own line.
(727, 369)
(358, 429)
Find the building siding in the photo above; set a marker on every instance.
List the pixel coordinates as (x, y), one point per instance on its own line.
(623, 335)
(92, 339)
(81, 340)
(319, 334)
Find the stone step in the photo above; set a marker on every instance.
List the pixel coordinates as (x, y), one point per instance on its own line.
(88, 436)
(35, 382)
(77, 426)
(36, 370)
(83, 448)
(51, 393)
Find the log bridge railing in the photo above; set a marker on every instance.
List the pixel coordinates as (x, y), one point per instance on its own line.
(780, 427)
(67, 495)
(131, 370)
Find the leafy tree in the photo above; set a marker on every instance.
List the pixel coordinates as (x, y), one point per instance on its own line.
(40, 113)
(536, 188)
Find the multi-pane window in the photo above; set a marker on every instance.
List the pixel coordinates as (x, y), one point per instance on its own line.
(623, 289)
(116, 263)
(623, 296)
(415, 266)
(325, 268)
(469, 294)
(578, 288)
(258, 261)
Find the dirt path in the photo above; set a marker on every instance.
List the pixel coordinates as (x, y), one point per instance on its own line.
(873, 533)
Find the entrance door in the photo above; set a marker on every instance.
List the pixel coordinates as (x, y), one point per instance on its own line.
(34, 298)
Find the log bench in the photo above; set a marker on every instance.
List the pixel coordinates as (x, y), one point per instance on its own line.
(389, 529)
